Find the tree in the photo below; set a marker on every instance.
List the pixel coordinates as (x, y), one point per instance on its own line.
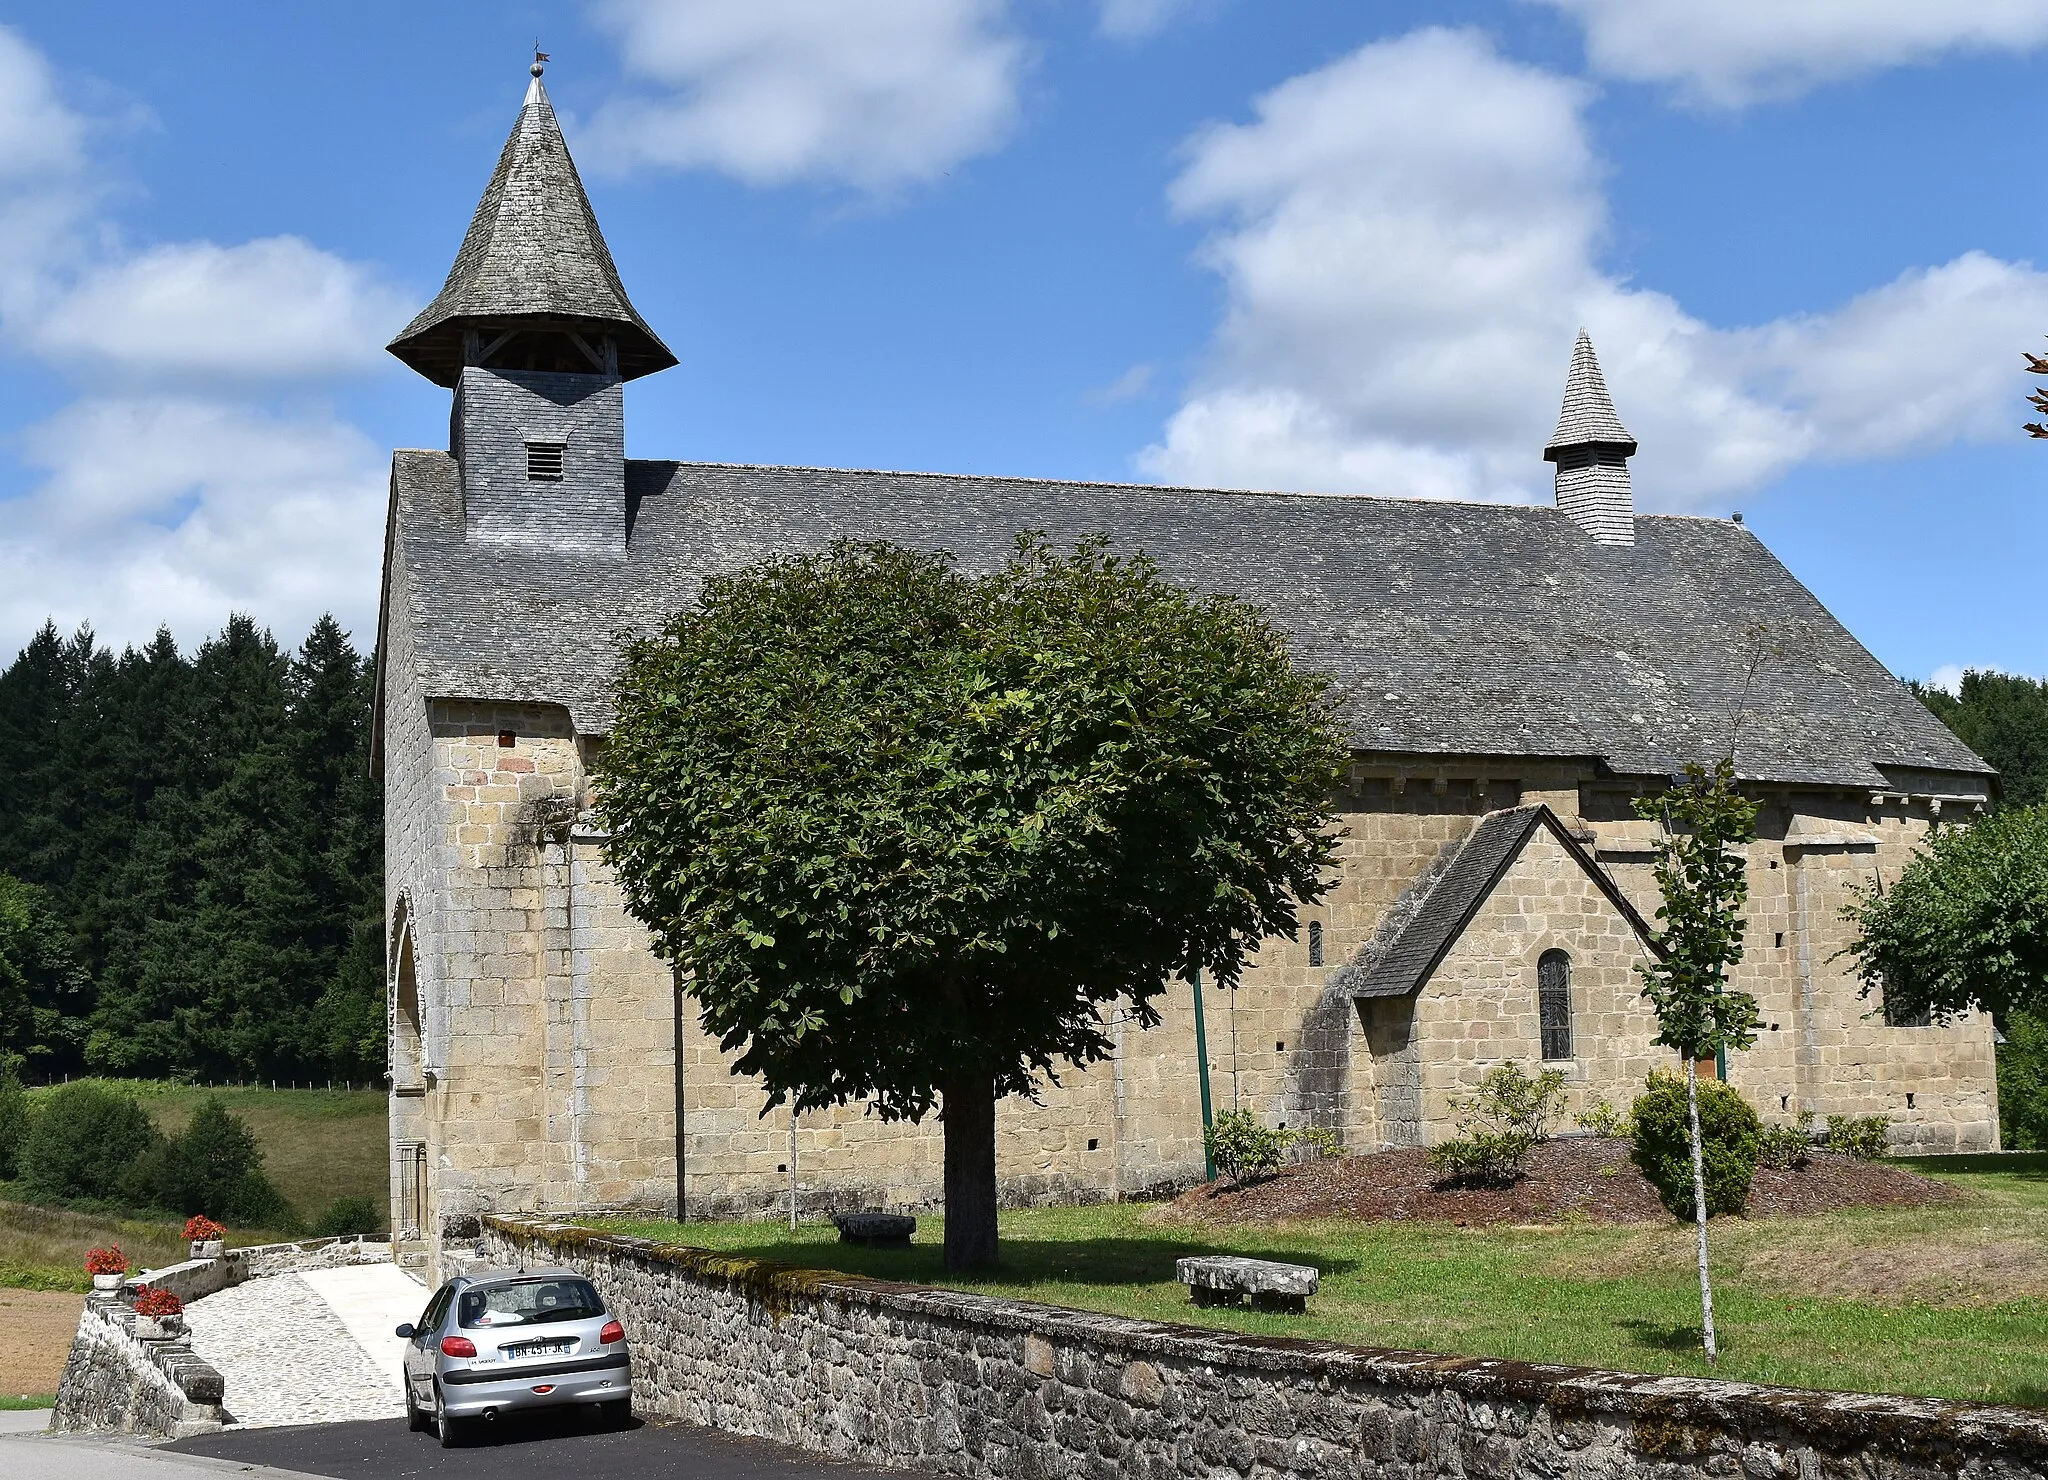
(44, 991)
(909, 835)
(1966, 925)
(1702, 875)
(2037, 365)
(2004, 718)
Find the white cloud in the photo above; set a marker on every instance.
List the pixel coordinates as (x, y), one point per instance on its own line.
(166, 509)
(155, 503)
(1128, 386)
(278, 306)
(879, 95)
(1948, 677)
(1410, 237)
(1732, 52)
(1134, 20)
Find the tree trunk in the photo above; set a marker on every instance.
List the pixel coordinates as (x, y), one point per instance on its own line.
(969, 1117)
(1699, 1203)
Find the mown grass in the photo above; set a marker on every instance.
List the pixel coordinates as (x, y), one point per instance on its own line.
(1917, 1316)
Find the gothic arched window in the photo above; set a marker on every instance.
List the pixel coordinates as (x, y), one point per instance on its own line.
(1554, 1003)
(1315, 942)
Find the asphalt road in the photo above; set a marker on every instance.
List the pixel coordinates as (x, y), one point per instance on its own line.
(542, 1448)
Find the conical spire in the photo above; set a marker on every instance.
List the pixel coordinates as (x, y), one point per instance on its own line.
(1591, 450)
(534, 286)
(1588, 417)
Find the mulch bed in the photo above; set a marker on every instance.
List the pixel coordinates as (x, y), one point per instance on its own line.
(1586, 1177)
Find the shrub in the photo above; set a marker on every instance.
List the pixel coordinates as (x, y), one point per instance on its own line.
(14, 1119)
(1526, 1104)
(1512, 1114)
(1482, 1158)
(155, 1304)
(82, 1143)
(1865, 1137)
(348, 1215)
(106, 1261)
(200, 1228)
(1242, 1148)
(1602, 1119)
(1787, 1147)
(1730, 1140)
(1319, 1140)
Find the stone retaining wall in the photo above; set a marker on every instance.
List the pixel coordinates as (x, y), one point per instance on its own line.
(968, 1385)
(115, 1383)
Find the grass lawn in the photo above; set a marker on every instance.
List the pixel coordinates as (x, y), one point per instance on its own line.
(1948, 1301)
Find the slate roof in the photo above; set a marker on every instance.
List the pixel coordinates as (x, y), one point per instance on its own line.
(533, 257)
(1588, 415)
(1433, 911)
(1449, 628)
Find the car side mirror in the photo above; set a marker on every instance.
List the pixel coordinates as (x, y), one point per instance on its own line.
(405, 1331)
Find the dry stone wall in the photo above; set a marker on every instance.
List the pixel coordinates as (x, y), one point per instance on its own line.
(967, 1385)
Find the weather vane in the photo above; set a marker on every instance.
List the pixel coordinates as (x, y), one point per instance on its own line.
(539, 57)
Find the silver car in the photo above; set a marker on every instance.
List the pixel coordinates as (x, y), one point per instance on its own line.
(499, 1341)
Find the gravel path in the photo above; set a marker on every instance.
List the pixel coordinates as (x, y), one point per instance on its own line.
(287, 1357)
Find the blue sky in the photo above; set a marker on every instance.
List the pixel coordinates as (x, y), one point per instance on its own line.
(1328, 246)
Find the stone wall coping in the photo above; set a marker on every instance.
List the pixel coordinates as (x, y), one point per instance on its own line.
(1828, 1420)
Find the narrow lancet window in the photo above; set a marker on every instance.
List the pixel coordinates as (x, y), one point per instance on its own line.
(1554, 1003)
(1315, 942)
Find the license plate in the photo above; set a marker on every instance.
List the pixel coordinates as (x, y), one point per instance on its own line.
(540, 1349)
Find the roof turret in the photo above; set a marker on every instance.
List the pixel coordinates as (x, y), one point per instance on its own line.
(1588, 418)
(534, 286)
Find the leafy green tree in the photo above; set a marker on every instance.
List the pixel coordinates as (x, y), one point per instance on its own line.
(2004, 718)
(912, 835)
(1966, 925)
(81, 1144)
(1702, 875)
(2023, 1083)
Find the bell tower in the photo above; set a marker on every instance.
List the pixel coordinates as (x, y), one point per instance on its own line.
(1591, 449)
(534, 333)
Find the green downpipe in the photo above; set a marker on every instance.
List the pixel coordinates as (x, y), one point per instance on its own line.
(1202, 1058)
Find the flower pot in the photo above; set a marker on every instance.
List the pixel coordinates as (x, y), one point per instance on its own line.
(208, 1248)
(106, 1284)
(163, 1328)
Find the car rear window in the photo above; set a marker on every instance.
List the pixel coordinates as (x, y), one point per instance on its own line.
(529, 1303)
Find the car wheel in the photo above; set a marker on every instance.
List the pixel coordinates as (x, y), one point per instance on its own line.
(415, 1421)
(452, 1430)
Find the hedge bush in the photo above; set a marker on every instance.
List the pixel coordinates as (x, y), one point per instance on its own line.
(348, 1215)
(1731, 1139)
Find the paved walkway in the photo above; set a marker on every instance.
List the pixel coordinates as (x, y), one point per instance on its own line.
(304, 1348)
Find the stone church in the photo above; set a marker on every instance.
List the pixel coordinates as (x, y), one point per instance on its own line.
(1511, 677)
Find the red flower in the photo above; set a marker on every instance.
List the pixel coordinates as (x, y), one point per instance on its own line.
(156, 1304)
(106, 1261)
(203, 1228)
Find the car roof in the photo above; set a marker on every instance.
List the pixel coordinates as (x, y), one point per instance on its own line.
(513, 1276)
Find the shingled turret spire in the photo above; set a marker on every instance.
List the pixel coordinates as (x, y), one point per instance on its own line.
(533, 287)
(1591, 449)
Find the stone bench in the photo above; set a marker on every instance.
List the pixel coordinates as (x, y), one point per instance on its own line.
(875, 1230)
(1225, 1279)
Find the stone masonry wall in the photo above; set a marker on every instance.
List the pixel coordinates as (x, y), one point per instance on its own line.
(115, 1383)
(963, 1384)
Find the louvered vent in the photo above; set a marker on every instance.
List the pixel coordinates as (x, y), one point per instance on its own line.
(544, 461)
